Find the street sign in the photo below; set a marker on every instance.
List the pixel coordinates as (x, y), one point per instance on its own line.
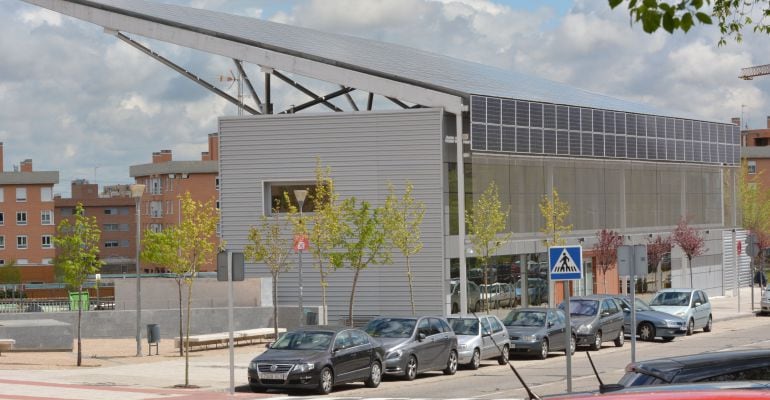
(632, 260)
(237, 264)
(300, 243)
(565, 263)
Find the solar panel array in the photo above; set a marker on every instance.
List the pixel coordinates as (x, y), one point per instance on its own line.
(525, 127)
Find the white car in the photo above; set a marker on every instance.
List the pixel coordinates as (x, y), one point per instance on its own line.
(765, 302)
(692, 305)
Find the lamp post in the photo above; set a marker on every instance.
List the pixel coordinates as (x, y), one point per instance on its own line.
(136, 193)
(300, 195)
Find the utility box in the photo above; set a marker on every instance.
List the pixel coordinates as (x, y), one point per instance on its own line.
(84, 301)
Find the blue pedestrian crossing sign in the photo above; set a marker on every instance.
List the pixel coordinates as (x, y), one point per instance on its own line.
(565, 263)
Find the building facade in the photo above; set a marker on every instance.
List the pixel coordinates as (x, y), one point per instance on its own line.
(115, 213)
(27, 222)
(166, 180)
(756, 153)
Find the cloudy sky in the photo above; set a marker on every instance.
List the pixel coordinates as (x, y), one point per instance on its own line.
(76, 100)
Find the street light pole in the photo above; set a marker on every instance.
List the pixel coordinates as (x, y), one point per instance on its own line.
(301, 194)
(136, 193)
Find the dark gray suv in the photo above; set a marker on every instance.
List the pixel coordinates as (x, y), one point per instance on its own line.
(596, 319)
(415, 344)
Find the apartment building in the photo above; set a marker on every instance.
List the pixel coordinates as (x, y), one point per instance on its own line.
(755, 150)
(166, 180)
(115, 212)
(26, 235)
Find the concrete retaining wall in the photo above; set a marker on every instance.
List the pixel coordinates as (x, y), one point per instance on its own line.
(38, 334)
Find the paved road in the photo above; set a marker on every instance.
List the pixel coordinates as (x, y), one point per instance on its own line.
(150, 381)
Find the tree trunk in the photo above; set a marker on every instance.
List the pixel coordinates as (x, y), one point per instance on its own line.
(80, 313)
(323, 290)
(604, 277)
(181, 332)
(689, 267)
(411, 289)
(275, 306)
(352, 295)
(187, 337)
(486, 287)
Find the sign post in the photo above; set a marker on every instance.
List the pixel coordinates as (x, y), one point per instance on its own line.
(565, 264)
(632, 262)
(300, 244)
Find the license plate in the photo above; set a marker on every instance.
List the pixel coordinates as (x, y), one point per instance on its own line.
(268, 375)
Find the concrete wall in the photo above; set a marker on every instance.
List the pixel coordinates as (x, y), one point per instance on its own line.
(162, 293)
(122, 324)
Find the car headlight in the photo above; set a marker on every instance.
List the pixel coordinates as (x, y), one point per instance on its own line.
(304, 367)
(681, 314)
(394, 355)
(252, 365)
(584, 329)
(463, 347)
(529, 338)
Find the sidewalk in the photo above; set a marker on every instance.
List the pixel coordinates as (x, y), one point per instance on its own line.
(728, 307)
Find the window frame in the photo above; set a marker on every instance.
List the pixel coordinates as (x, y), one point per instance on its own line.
(50, 217)
(19, 240)
(23, 221)
(43, 240)
(21, 199)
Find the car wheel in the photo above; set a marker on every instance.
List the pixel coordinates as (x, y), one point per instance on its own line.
(375, 375)
(451, 364)
(621, 339)
(503, 359)
(256, 388)
(690, 327)
(668, 338)
(411, 368)
(709, 325)
(543, 349)
(475, 360)
(325, 381)
(572, 345)
(646, 331)
(597, 344)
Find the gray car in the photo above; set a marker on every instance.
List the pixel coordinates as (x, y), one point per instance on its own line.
(690, 304)
(596, 319)
(415, 344)
(479, 339)
(650, 323)
(538, 331)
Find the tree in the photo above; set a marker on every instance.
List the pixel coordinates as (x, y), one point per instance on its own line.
(485, 222)
(183, 249)
(77, 245)
(656, 249)
(364, 242)
(554, 211)
(754, 203)
(268, 244)
(690, 241)
(731, 15)
(402, 218)
(606, 251)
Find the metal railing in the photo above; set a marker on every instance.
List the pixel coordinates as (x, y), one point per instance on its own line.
(51, 305)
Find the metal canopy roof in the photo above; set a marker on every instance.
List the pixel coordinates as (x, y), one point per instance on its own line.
(394, 63)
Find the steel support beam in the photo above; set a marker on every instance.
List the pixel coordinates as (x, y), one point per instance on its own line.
(370, 102)
(397, 102)
(268, 106)
(305, 90)
(350, 99)
(318, 101)
(183, 71)
(245, 77)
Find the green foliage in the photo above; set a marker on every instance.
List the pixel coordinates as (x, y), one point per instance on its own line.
(555, 212)
(268, 244)
(402, 218)
(364, 242)
(732, 16)
(754, 201)
(77, 247)
(10, 274)
(485, 222)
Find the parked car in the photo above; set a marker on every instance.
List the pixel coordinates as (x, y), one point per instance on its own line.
(318, 357)
(479, 339)
(476, 275)
(415, 344)
(765, 302)
(538, 330)
(736, 365)
(499, 294)
(474, 296)
(692, 305)
(650, 323)
(596, 319)
(537, 290)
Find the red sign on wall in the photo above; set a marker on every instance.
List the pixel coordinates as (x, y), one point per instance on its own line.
(300, 243)
(739, 248)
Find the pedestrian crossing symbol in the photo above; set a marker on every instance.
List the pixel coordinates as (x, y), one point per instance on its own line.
(566, 263)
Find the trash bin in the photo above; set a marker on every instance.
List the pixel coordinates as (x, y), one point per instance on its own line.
(153, 337)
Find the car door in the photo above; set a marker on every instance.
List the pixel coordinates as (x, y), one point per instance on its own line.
(440, 334)
(343, 358)
(425, 348)
(611, 319)
(500, 336)
(555, 331)
(486, 337)
(362, 353)
(701, 308)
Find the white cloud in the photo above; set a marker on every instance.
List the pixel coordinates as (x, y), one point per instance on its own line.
(37, 17)
(139, 103)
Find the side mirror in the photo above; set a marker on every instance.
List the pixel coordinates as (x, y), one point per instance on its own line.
(421, 336)
(486, 333)
(697, 303)
(269, 344)
(550, 324)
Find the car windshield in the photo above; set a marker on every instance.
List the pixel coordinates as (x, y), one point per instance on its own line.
(671, 299)
(465, 326)
(391, 327)
(582, 308)
(525, 318)
(304, 340)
